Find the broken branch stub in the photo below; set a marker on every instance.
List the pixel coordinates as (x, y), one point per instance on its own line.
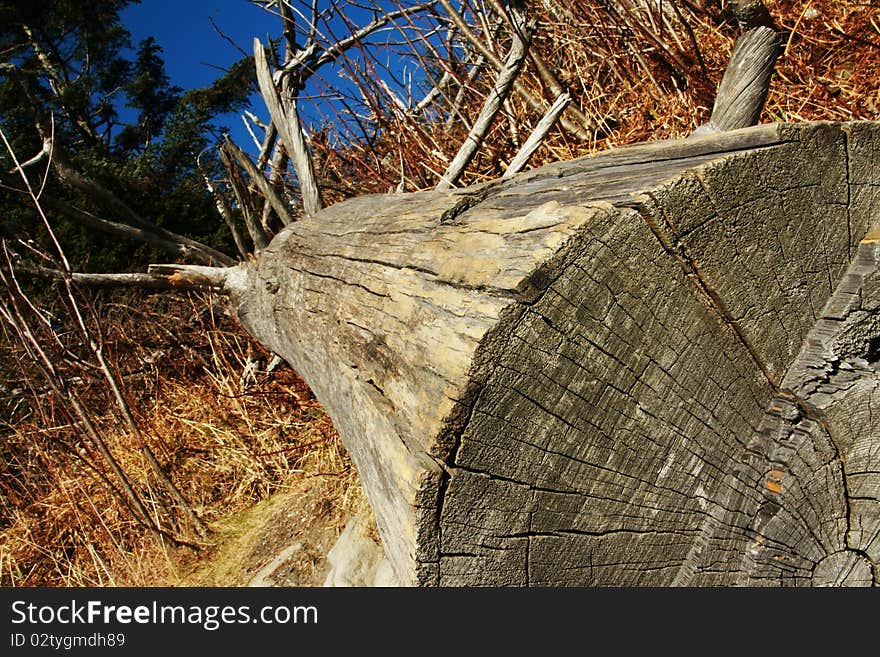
(655, 366)
(743, 90)
(285, 118)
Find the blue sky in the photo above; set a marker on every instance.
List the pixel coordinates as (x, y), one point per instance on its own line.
(192, 47)
(193, 50)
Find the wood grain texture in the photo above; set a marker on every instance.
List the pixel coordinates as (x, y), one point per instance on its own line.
(282, 109)
(656, 366)
(746, 82)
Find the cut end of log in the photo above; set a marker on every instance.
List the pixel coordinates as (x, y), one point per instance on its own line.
(657, 366)
(845, 568)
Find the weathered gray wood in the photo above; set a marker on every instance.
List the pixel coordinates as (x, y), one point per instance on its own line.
(494, 100)
(225, 211)
(141, 281)
(272, 196)
(581, 131)
(286, 120)
(538, 135)
(746, 82)
(751, 13)
(655, 366)
(255, 229)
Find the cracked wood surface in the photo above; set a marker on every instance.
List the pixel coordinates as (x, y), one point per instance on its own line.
(655, 366)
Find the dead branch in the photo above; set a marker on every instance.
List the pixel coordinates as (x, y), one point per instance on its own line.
(13, 317)
(286, 120)
(494, 100)
(96, 346)
(269, 142)
(455, 107)
(90, 220)
(578, 131)
(226, 280)
(70, 176)
(277, 168)
(538, 135)
(158, 277)
(433, 93)
(248, 212)
(309, 59)
(746, 82)
(260, 181)
(250, 131)
(225, 211)
(546, 73)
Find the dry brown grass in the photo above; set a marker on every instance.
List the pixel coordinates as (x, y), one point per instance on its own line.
(227, 442)
(638, 75)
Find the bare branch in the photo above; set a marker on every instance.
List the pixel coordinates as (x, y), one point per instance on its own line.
(692, 37)
(746, 82)
(242, 195)
(269, 141)
(13, 316)
(288, 28)
(537, 105)
(97, 348)
(85, 218)
(445, 79)
(546, 73)
(307, 61)
(277, 168)
(223, 280)
(228, 280)
(538, 135)
(250, 130)
(313, 23)
(226, 212)
(752, 13)
(40, 156)
(286, 120)
(74, 179)
(260, 181)
(493, 103)
(256, 120)
(433, 92)
(136, 280)
(455, 107)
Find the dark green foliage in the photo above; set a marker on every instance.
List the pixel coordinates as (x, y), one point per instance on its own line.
(150, 93)
(69, 64)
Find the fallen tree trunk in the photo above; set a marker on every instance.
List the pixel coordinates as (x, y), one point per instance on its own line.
(655, 366)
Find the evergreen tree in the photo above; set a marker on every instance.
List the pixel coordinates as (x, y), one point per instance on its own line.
(151, 94)
(65, 72)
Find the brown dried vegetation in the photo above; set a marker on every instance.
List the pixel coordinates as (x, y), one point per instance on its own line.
(227, 432)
